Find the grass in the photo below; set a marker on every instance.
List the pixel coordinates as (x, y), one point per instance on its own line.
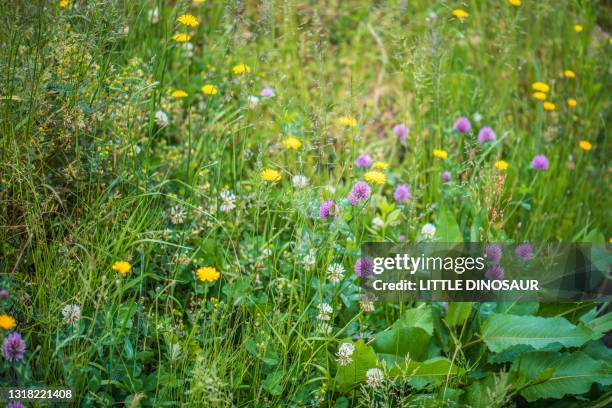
(90, 175)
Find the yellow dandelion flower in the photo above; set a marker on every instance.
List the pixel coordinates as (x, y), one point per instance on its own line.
(292, 143)
(347, 121)
(515, 3)
(585, 145)
(123, 267)
(241, 69)
(539, 96)
(549, 106)
(210, 89)
(181, 37)
(179, 93)
(380, 165)
(64, 3)
(7, 322)
(501, 164)
(569, 73)
(270, 175)
(571, 102)
(440, 154)
(460, 14)
(375, 177)
(188, 20)
(540, 87)
(199, 1)
(578, 28)
(207, 274)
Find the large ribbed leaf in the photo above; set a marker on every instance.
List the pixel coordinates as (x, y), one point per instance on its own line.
(363, 359)
(409, 335)
(432, 371)
(458, 312)
(501, 331)
(573, 373)
(447, 229)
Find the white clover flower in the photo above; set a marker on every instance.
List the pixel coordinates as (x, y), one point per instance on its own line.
(299, 181)
(161, 118)
(377, 223)
(477, 117)
(310, 259)
(71, 314)
(375, 377)
(366, 304)
(325, 311)
(229, 201)
(335, 273)
(177, 215)
(345, 353)
(253, 101)
(187, 48)
(428, 231)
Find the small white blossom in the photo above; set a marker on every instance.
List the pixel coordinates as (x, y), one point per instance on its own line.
(377, 223)
(375, 377)
(325, 311)
(71, 314)
(177, 215)
(187, 48)
(428, 231)
(335, 273)
(161, 118)
(477, 117)
(154, 15)
(366, 304)
(345, 353)
(310, 260)
(299, 181)
(253, 101)
(228, 201)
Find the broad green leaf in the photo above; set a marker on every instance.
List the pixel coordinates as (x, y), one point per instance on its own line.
(447, 229)
(501, 331)
(274, 382)
(409, 335)
(432, 371)
(572, 373)
(518, 308)
(349, 376)
(458, 312)
(602, 324)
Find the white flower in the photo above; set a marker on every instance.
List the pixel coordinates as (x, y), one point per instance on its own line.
(299, 181)
(154, 15)
(187, 48)
(428, 231)
(71, 313)
(377, 223)
(177, 215)
(229, 201)
(366, 304)
(335, 273)
(345, 353)
(253, 101)
(161, 118)
(325, 310)
(375, 377)
(310, 259)
(331, 189)
(477, 117)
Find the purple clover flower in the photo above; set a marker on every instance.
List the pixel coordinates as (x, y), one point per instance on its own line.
(15, 404)
(361, 190)
(446, 176)
(267, 92)
(540, 162)
(402, 193)
(401, 131)
(364, 160)
(524, 251)
(327, 208)
(495, 272)
(13, 347)
(364, 267)
(463, 125)
(493, 253)
(486, 134)
(4, 294)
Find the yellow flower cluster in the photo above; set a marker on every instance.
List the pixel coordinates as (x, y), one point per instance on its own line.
(7, 322)
(122, 267)
(207, 274)
(292, 143)
(347, 121)
(375, 177)
(270, 175)
(440, 154)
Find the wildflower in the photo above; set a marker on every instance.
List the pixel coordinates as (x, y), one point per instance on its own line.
(578, 28)
(571, 102)
(207, 274)
(549, 106)
(7, 322)
(228, 201)
(267, 92)
(440, 154)
(253, 101)
(402, 193)
(375, 176)
(4, 294)
(364, 160)
(446, 176)
(122, 267)
(540, 162)
(401, 131)
(460, 14)
(71, 314)
(524, 251)
(161, 118)
(181, 37)
(428, 231)
(179, 93)
(325, 311)
(380, 165)
(15, 404)
(495, 272)
(64, 3)
(569, 73)
(364, 267)
(540, 87)
(486, 134)
(335, 273)
(515, 3)
(347, 121)
(13, 347)
(327, 208)
(154, 15)
(299, 181)
(345, 353)
(292, 143)
(310, 260)
(377, 223)
(493, 253)
(209, 89)
(462, 125)
(366, 303)
(539, 96)
(177, 215)
(188, 20)
(585, 145)
(324, 328)
(477, 117)
(270, 175)
(241, 69)
(501, 164)
(361, 192)
(375, 377)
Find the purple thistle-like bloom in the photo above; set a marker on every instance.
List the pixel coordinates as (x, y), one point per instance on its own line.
(486, 134)
(540, 162)
(401, 131)
(15, 404)
(364, 267)
(364, 160)
(495, 272)
(267, 92)
(524, 251)
(493, 253)
(4, 294)
(13, 347)
(463, 125)
(446, 176)
(327, 208)
(402, 193)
